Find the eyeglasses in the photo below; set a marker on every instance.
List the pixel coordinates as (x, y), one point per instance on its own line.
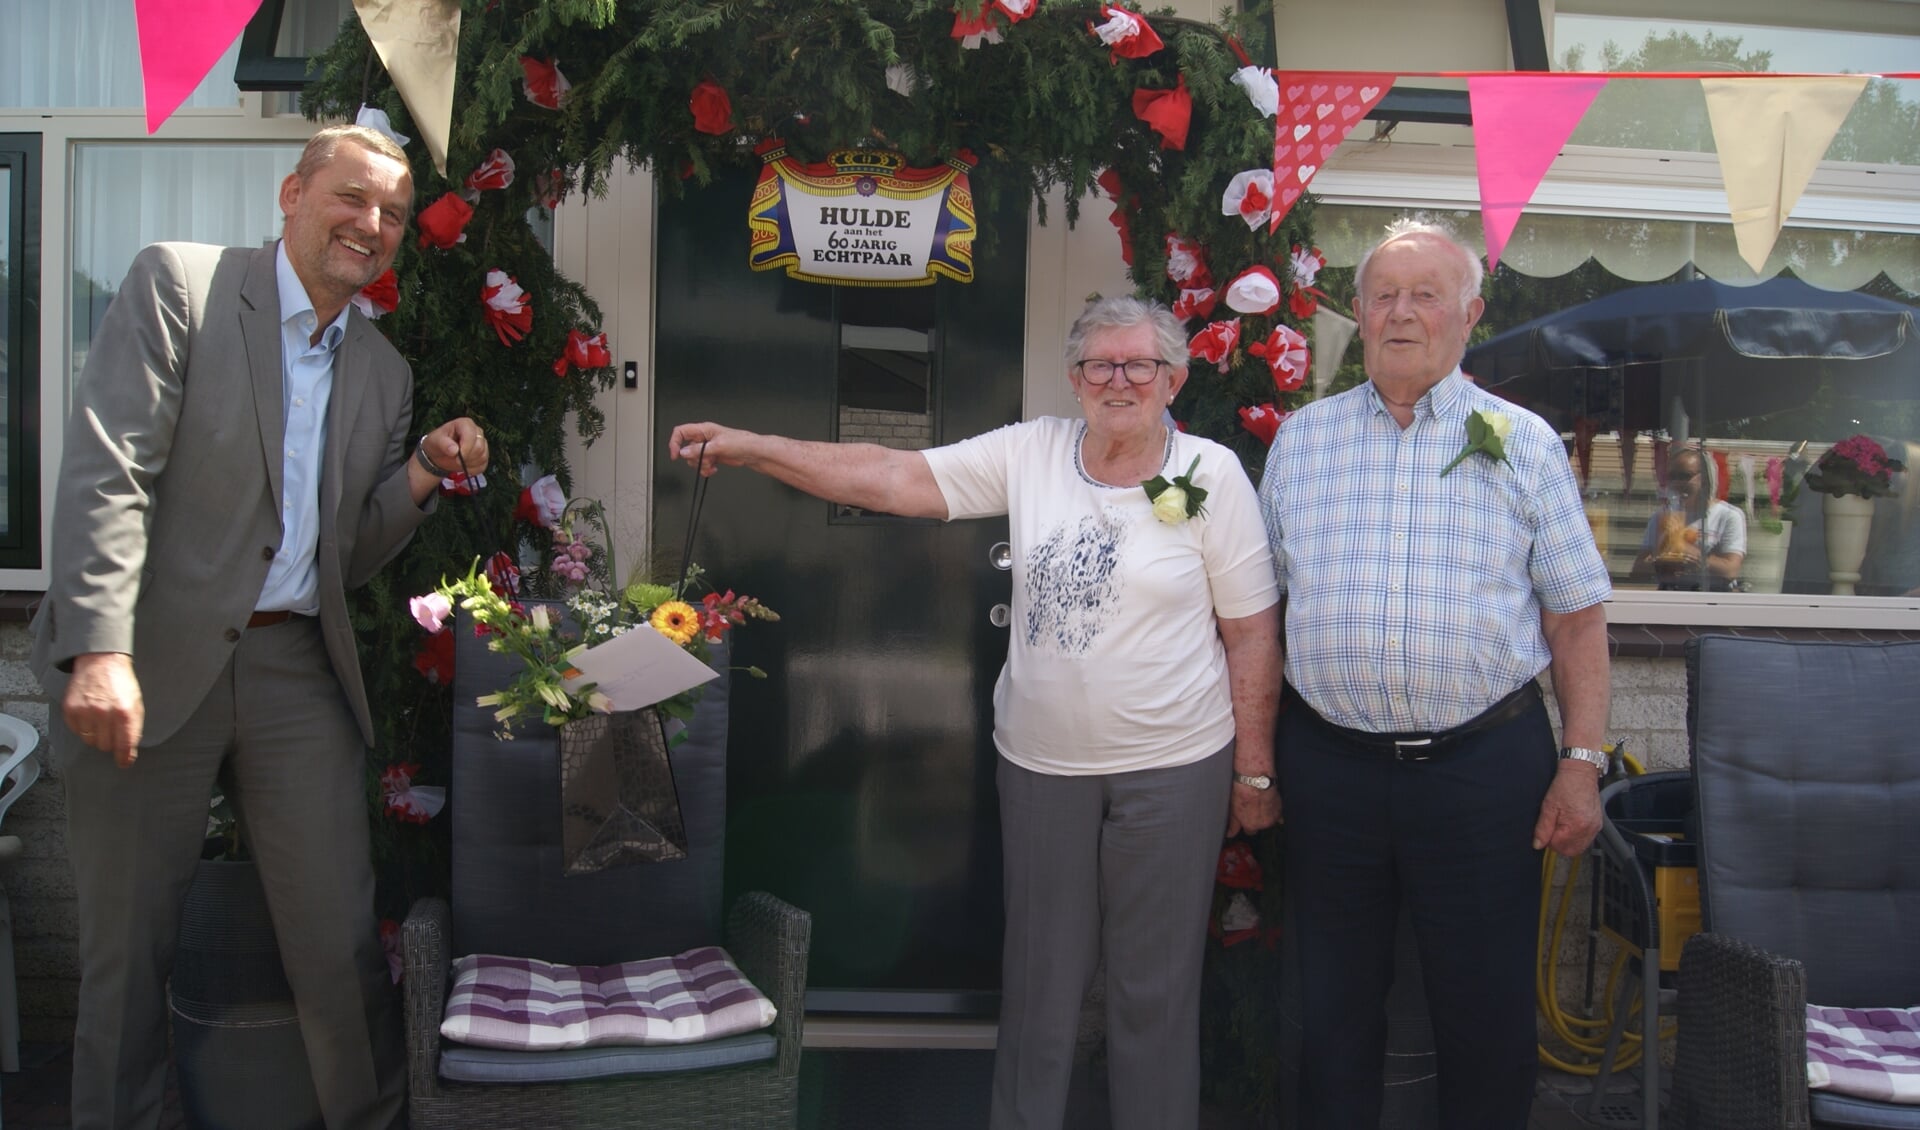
(1683, 476)
(1139, 370)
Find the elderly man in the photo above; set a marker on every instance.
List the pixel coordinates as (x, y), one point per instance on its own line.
(239, 454)
(1430, 542)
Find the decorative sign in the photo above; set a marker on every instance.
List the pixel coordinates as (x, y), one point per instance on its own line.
(862, 218)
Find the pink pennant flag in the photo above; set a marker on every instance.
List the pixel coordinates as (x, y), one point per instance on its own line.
(1520, 121)
(180, 41)
(1317, 110)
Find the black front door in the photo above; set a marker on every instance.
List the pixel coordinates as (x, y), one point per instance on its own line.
(860, 774)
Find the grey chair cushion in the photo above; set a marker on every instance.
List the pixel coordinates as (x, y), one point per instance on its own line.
(1807, 770)
(1843, 1110)
(509, 895)
(490, 1065)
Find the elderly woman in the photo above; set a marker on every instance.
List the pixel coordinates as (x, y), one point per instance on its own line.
(1134, 717)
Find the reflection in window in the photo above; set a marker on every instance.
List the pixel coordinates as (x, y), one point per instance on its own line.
(7, 303)
(126, 196)
(1692, 408)
(884, 392)
(86, 53)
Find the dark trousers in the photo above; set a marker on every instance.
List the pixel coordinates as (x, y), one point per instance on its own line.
(1453, 837)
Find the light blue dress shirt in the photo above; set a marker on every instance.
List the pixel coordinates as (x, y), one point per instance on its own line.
(1414, 600)
(293, 580)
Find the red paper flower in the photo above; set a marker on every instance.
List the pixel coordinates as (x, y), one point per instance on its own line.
(1215, 343)
(550, 187)
(462, 483)
(542, 502)
(1195, 303)
(381, 296)
(973, 31)
(1286, 353)
(712, 109)
(1186, 262)
(1303, 267)
(509, 310)
(1238, 868)
(443, 223)
(1304, 303)
(405, 802)
(1126, 34)
(544, 84)
(496, 172)
(1168, 112)
(1249, 195)
(390, 943)
(1014, 10)
(1254, 291)
(502, 573)
(434, 659)
(1264, 421)
(1122, 218)
(584, 352)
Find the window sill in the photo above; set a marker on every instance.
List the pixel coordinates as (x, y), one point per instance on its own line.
(1669, 641)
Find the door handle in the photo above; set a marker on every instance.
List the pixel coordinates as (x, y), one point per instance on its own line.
(1000, 615)
(1000, 556)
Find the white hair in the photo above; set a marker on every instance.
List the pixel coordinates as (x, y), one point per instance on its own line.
(1124, 312)
(1473, 275)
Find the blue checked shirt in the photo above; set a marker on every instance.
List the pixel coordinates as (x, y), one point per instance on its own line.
(1413, 601)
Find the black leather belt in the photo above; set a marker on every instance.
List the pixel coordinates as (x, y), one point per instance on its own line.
(1416, 746)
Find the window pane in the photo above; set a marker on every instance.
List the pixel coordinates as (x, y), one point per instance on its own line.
(126, 196)
(86, 53)
(1676, 393)
(885, 382)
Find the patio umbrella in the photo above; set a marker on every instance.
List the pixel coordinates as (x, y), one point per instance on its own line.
(1714, 350)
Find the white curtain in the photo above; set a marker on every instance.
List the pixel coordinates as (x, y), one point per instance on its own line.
(86, 54)
(1642, 250)
(127, 195)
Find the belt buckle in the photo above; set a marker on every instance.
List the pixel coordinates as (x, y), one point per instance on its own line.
(1419, 750)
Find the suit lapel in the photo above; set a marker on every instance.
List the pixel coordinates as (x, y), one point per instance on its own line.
(260, 328)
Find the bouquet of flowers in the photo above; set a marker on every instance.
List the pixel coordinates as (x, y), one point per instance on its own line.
(1855, 465)
(548, 643)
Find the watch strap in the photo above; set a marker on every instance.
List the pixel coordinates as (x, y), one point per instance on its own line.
(1595, 757)
(1257, 781)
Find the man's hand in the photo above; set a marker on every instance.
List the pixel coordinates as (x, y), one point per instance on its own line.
(458, 445)
(1252, 809)
(1570, 814)
(705, 447)
(103, 704)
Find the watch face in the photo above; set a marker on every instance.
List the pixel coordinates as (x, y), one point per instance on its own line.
(1260, 782)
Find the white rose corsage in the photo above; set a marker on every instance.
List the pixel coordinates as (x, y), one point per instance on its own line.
(1174, 502)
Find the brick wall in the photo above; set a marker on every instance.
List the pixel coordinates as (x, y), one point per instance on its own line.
(906, 431)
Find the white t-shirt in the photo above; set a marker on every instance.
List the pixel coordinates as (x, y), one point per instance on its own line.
(1115, 662)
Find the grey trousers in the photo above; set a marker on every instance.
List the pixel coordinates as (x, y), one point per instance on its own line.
(277, 720)
(1122, 863)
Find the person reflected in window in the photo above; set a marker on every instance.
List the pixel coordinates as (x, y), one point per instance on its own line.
(1698, 543)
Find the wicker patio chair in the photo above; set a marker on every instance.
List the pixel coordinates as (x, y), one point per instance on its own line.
(509, 897)
(1807, 793)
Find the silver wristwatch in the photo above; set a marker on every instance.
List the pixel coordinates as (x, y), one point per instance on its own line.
(1262, 781)
(1595, 757)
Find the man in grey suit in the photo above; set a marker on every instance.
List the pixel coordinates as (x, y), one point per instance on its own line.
(237, 457)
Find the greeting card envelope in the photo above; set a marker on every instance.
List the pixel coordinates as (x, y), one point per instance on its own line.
(638, 668)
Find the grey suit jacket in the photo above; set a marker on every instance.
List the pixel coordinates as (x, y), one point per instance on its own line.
(167, 512)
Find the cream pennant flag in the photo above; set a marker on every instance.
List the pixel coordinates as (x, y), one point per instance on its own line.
(1332, 333)
(418, 42)
(1771, 134)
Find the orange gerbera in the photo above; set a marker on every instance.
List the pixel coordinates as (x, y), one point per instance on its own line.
(675, 620)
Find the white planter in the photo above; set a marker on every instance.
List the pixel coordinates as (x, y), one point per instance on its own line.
(1766, 561)
(1849, 521)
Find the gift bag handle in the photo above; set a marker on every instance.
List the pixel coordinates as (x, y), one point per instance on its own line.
(693, 521)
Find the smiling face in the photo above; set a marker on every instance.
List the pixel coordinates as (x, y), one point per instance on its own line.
(1119, 409)
(344, 223)
(1412, 322)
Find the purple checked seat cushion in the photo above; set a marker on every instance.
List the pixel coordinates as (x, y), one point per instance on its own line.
(520, 1004)
(1868, 1053)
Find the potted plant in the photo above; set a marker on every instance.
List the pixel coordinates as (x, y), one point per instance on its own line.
(1852, 473)
(237, 1047)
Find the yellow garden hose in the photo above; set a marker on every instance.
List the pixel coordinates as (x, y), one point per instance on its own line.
(1587, 1036)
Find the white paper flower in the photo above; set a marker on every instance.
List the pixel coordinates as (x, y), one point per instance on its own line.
(1262, 90)
(376, 120)
(1249, 195)
(1254, 291)
(1121, 24)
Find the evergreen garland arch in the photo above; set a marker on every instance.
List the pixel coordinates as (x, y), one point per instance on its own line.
(1044, 108)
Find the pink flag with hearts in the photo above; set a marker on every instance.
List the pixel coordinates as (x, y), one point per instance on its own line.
(180, 41)
(1317, 110)
(1520, 121)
